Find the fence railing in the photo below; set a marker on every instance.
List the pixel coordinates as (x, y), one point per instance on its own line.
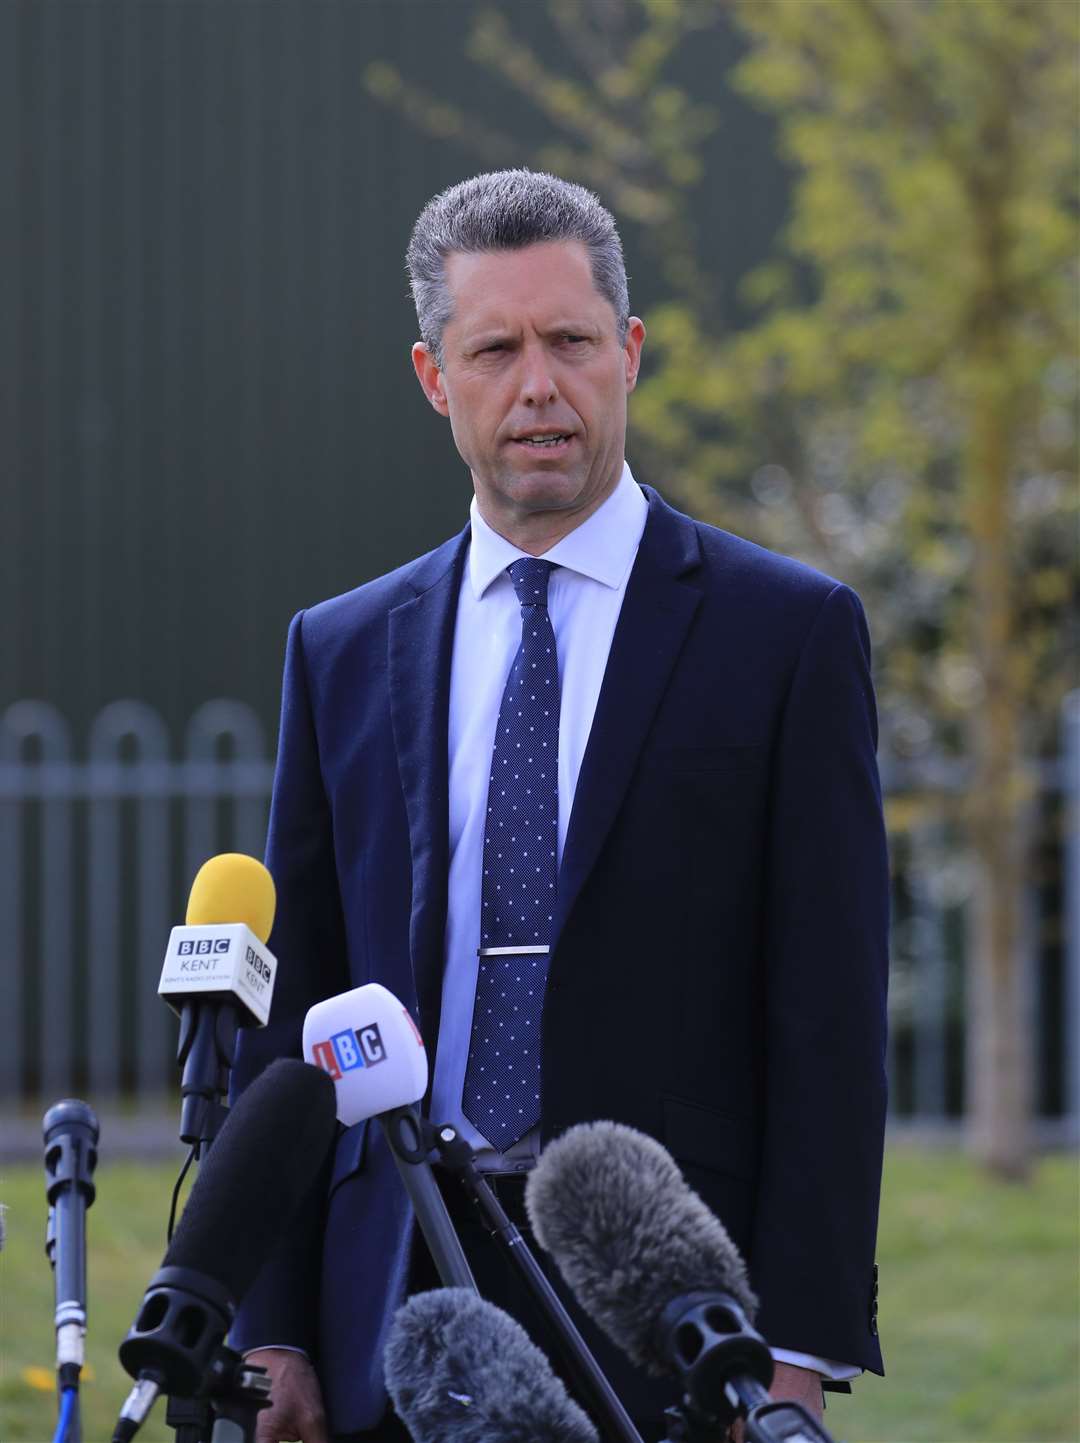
(95, 860)
(97, 855)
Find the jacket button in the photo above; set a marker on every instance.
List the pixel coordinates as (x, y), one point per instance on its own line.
(874, 1303)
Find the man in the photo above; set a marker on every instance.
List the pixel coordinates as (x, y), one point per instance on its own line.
(603, 777)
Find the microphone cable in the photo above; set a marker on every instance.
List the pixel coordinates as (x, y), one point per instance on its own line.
(176, 1193)
(69, 1402)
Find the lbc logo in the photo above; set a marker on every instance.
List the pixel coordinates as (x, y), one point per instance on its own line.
(203, 946)
(345, 1051)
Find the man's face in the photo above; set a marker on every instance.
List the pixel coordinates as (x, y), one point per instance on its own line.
(534, 381)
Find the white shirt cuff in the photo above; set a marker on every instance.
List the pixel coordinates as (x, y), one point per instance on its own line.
(827, 1367)
(277, 1347)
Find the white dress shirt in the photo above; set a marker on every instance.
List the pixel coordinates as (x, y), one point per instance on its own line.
(585, 595)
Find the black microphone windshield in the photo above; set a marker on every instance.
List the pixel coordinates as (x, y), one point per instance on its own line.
(257, 1173)
(629, 1236)
(461, 1370)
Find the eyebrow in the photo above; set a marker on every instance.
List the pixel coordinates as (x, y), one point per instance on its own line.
(562, 328)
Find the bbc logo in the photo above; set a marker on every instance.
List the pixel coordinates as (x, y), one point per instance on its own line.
(203, 946)
(254, 961)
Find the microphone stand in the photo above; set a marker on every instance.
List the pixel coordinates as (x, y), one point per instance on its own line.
(767, 1420)
(205, 1049)
(410, 1143)
(238, 1390)
(593, 1387)
(71, 1133)
(726, 1367)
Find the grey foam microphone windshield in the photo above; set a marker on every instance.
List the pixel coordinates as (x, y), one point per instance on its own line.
(461, 1370)
(629, 1235)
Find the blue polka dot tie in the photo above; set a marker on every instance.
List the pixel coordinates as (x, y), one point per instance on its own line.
(502, 1077)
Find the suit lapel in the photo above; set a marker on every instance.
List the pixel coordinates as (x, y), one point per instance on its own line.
(421, 635)
(659, 605)
(660, 602)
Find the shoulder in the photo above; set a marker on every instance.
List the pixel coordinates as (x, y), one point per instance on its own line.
(361, 614)
(733, 568)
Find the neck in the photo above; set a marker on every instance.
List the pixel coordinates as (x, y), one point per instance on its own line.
(536, 532)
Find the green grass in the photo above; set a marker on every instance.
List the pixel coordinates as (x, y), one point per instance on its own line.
(979, 1307)
(125, 1243)
(980, 1304)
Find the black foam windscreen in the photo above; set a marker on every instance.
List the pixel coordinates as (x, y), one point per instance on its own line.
(262, 1164)
(629, 1235)
(460, 1370)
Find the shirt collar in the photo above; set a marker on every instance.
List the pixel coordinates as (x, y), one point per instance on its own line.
(603, 547)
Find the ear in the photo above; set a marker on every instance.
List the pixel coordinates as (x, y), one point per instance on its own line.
(635, 339)
(430, 377)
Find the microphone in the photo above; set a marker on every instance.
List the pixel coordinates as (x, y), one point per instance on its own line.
(367, 1042)
(245, 1195)
(658, 1272)
(218, 975)
(460, 1370)
(371, 1048)
(71, 1133)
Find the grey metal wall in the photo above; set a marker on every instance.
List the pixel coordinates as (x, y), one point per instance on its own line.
(207, 413)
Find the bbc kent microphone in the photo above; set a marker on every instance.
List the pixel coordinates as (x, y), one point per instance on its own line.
(261, 1168)
(218, 976)
(460, 1370)
(71, 1133)
(368, 1043)
(656, 1269)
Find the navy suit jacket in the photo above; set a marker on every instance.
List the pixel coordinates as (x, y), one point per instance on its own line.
(718, 972)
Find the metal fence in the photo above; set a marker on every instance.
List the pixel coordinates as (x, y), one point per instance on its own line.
(95, 860)
(97, 855)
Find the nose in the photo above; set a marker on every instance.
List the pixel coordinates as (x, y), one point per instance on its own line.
(538, 385)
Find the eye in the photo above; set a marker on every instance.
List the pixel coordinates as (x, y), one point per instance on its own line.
(495, 346)
(573, 340)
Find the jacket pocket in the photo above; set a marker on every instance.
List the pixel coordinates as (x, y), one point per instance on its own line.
(349, 1153)
(709, 1139)
(726, 759)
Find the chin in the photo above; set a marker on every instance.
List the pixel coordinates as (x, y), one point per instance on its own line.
(541, 489)
(543, 493)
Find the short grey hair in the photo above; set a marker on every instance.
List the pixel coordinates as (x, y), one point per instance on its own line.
(508, 210)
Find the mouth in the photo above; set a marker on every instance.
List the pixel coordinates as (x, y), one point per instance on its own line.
(543, 442)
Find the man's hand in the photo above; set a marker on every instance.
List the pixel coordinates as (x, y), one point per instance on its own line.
(296, 1413)
(797, 1385)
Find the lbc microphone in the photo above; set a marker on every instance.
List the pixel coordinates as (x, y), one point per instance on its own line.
(461, 1370)
(71, 1135)
(372, 1049)
(218, 976)
(368, 1043)
(653, 1266)
(263, 1164)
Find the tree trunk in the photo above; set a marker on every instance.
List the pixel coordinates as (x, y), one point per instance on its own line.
(1000, 1034)
(1000, 1053)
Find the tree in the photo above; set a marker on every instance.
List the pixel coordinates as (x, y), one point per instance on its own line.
(900, 406)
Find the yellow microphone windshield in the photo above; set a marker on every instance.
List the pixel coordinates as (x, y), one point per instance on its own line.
(233, 888)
